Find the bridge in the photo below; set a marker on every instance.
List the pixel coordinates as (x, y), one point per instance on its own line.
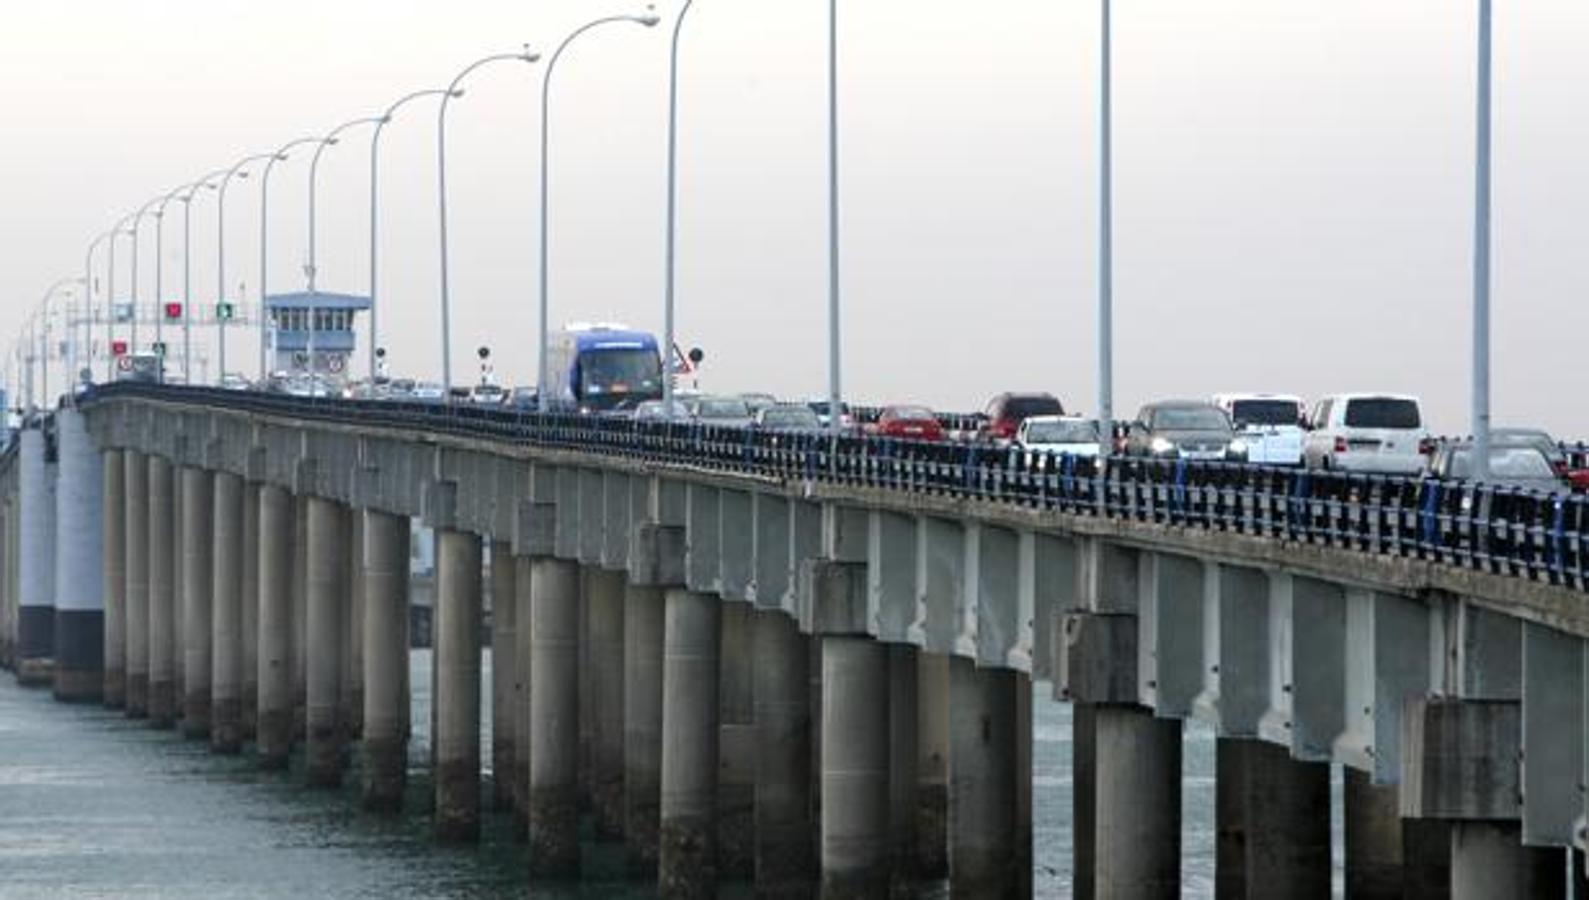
(809, 659)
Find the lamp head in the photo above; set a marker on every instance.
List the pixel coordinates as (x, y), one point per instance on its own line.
(332, 142)
(649, 20)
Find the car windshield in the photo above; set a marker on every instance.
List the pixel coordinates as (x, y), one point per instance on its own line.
(911, 413)
(1062, 432)
(488, 390)
(1026, 407)
(726, 408)
(628, 370)
(789, 417)
(403, 384)
(1264, 412)
(1189, 418)
(1382, 412)
(1505, 462)
(820, 407)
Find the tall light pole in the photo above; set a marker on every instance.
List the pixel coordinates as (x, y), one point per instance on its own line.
(159, 290)
(41, 351)
(835, 419)
(454, 90)
(187, 195)
(225, 176)
(137, 222)
(88, 304)
(1481, 256)
(673, 212)
(264, 248)
(312, 268)
(110, 297)
(649, 20)
(1106, 237)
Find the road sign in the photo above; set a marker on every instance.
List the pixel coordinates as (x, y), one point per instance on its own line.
(173, 310)
(118, 348)
(225, 312)
(124, 364)
(122, 311)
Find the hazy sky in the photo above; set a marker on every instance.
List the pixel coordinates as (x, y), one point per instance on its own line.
(1294, 184)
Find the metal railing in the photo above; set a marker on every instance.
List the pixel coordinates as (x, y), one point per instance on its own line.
(1529, 535)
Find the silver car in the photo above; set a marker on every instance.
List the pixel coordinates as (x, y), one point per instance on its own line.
(725, 412)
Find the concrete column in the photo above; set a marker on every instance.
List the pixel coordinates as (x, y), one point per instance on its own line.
(931, 840)
(1488, 860)
(690, 742)
(1388, 857)
(135, 508)
(903, 747)
(504, 616)
(385, 625)
(554, 717)
(198, 583)
(113, 543)
(855, 783)
(7, 645)
(36, 565)
(1135, 789)
(522, 578)
(352, 712)
(457, 641)
(1273, 822)
(328, 561)
(162, 599)
(249, 599)
(606, 611)
(736, 783)
(179, 568)
(276, 540)
(780, 685)
(982, 788)
(642, 725)
(79, 578)
(226, 676)
(300, 617)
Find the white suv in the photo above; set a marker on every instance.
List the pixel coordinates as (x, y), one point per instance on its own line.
(1270, 425)
(1381, 433)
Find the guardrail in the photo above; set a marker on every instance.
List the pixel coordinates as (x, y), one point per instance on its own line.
(1524, 534)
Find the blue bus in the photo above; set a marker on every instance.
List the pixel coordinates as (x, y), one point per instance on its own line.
(597, 368)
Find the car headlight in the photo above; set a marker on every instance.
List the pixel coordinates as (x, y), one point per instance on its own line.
(1162, 445)
(1238, 447)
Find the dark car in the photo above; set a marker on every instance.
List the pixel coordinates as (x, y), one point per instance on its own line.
(1511, 465)
(1007, 411)
(1184, 429)
(1532, 437)
(913, 422)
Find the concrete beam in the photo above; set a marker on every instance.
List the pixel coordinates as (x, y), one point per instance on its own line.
(1460, 759)
(1236, 650)
(1171, 633)
(1553, 736)
(1387, 646)
(1097, 658)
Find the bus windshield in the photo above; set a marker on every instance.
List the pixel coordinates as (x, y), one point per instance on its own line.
(619, 370)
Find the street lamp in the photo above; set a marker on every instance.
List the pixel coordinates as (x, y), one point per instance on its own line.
(185, 194)
(88, 304)
(1481, 257)
(264, 247)
(137, 222)
(225, 176)
(42, 351)
(311, 269)
(453, 90)
(375, 153)
(649, 20)
(1106, 238)
(835, 418)
(110, 297)
(673, 206)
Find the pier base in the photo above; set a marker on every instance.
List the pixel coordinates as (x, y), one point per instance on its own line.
(386, 696)
(457, 641)
(554, 718)
(690, 744)
(854, 813)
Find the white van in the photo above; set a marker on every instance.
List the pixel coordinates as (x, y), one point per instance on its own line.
(1270, 425)
(1381, 433)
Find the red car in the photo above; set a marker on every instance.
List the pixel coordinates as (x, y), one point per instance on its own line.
(916, 423)
(1006, 412)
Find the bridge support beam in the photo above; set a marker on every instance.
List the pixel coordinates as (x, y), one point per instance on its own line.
(736, 783)
(983, 792)
(198, 581)
(642, 728)
(35, 640)
(162, 600)
(902, 743)
(855, 779)
(135, 509)
(276, 586)
(504, 626)
(386, 693)
(1273, 822)
(605, 599)
(249, 620)
(780, 676)
(457, 641)
(523, 570)
(113, 544)
(226, 697)
(328, 560)
(350, 708)
(554, 718)
(1388, 857)
(690, 743)
(79, 577)
(931, 840)
(300, 618)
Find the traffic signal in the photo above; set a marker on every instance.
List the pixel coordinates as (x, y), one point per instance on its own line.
(224, 311)
(173, 310)
(159, 348)
(118, 348)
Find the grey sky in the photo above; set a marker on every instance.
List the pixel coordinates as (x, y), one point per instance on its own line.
(1294, 183)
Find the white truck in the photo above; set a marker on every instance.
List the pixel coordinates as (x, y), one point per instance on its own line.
(1270, 425)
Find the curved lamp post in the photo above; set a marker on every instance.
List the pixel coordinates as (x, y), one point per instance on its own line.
(185, 194)
(835, 386)
(225, 175)
(673, 207)
(88, 305)
(311, 269)
(453, 90)
(649, 20)
(110, 296)
(1106, 236)
(41, 350)
(137, 222)
(375, 153)
(264, 245)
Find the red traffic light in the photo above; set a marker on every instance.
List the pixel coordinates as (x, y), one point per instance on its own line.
(118, 348)
(173, 310)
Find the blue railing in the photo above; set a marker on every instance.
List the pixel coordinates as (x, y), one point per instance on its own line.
(1530, 535)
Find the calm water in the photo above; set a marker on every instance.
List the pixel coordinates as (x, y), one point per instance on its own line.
(94, 805)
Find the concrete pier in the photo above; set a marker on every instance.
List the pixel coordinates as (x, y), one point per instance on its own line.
(35, 641)
(163, 607)
(522, 580)
(785, 861)
(642, 725)
(249, 620)
(854, 824)
(983, 802)
(690, 743)
(736, 783)
(554, 718)
(198, 583)
(226, 594)
(504, 617)
(113, 543)
(351, 713)
(903, 744)
(135, 508)
(300, 617)
(1488, 860)
(179, 569)
(1273, 822)
(276, 540)
(931, 840)
(1135, 789)
(1388, 857)
(79, 632)
(457, 699)
(386, 698)
(605, 599)
(328, 561)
